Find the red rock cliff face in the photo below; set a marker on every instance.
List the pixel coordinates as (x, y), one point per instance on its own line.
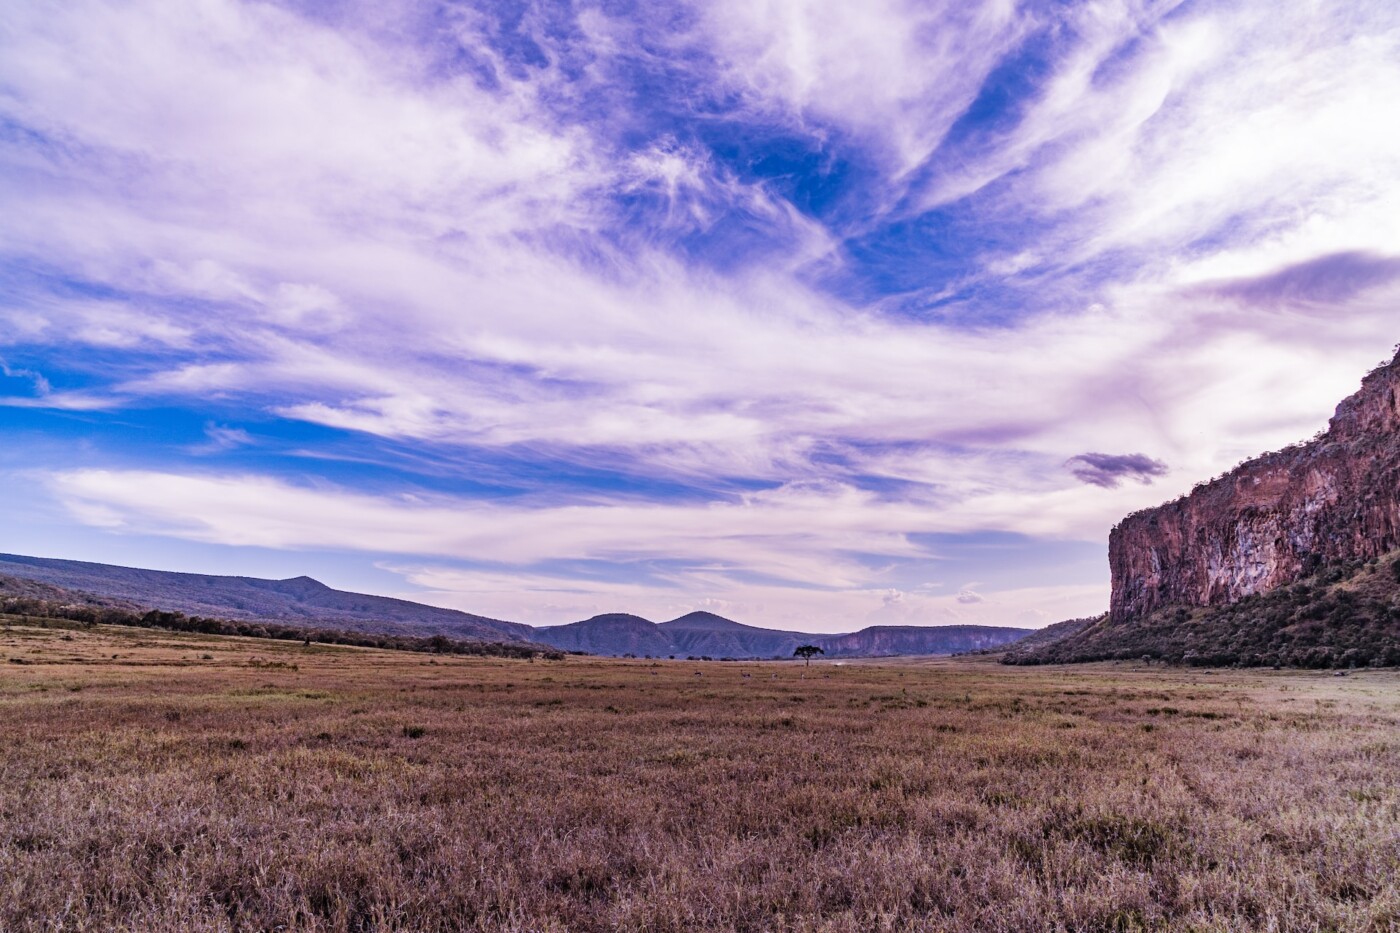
(1274, 518)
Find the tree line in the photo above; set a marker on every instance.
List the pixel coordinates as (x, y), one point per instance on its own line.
(179, 622)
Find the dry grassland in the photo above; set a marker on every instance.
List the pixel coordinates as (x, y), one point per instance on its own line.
(154, 781)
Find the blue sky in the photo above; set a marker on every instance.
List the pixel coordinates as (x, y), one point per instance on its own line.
(817, 315)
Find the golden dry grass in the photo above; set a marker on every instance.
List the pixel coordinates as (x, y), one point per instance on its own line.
(153, 781)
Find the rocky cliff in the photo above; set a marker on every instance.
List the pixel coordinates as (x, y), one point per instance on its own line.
(1274, 519)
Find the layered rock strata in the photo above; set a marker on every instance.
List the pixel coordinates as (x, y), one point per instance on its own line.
(1274, 519)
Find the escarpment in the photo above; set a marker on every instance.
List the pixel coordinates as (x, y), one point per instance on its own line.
(1274, 519)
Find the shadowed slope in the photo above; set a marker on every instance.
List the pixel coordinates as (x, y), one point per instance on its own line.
(706, 634)
(299, 599)
(614, 633)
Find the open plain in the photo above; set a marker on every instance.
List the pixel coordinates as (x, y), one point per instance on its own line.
(159, 781)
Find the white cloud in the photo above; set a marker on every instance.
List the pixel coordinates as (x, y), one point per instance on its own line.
(35, 379)
(900, 73)
(222, 438)
(780, 532)
(410, 316)
(1251, 123)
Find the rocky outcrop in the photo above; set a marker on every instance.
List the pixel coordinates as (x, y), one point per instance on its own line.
(1274, 519)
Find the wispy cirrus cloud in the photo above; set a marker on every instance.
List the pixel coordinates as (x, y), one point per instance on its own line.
(897, 74)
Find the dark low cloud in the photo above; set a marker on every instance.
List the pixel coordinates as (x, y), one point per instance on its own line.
(1108, 470)
(1329, 279)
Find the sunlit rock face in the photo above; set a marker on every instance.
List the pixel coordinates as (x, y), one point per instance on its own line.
(1272, 519)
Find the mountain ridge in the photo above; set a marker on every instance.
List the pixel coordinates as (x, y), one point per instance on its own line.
(714, 636)
(305, 600)
(298, 599)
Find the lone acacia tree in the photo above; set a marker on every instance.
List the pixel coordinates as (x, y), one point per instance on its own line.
(806, 652)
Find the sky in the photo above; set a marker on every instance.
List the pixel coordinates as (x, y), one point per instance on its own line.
(816, 315)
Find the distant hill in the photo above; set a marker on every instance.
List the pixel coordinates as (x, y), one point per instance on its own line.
(304, 601)
(892, 640)
(20, 588)
(30, 599)
(615, 633)
(704, 634)
(1051, 634)
(299, 599)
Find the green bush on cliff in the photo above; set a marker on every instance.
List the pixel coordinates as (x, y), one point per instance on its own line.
(1344, 615)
